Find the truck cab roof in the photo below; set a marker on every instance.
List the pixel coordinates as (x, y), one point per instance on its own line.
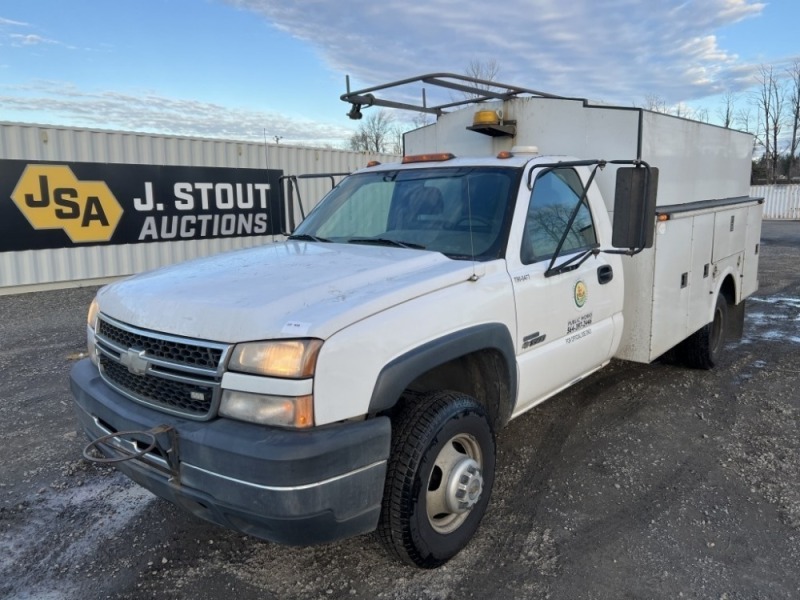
(512, 159)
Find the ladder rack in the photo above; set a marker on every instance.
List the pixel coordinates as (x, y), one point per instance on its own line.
(477, 90)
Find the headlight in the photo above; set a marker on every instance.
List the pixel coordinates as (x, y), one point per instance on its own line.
(91, 327)
(268, 410)
(292, 359)
(91, 318)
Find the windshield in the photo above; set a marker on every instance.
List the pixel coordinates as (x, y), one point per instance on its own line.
(462, 212)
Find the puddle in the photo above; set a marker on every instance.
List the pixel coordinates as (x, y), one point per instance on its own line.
(794, 302)
(772, 319)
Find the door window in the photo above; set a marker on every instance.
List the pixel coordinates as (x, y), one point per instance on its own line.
(555, 195)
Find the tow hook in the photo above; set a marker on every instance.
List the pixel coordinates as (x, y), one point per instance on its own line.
(128, 445)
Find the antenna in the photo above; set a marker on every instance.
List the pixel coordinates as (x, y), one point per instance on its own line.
(474, 276)
(266, 165)
(266, 150)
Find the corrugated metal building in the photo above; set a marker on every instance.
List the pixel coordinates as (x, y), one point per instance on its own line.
(30, 269)
(781, 202)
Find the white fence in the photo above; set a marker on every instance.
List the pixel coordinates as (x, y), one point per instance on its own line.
(780, 201)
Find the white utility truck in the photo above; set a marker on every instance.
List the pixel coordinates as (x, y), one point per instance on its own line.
(353, 377)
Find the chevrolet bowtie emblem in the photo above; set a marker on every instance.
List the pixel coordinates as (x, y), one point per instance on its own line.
(135, 361)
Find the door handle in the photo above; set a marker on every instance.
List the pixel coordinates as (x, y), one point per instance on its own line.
(604, 274)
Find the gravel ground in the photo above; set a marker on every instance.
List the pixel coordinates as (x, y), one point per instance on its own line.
(643, 481)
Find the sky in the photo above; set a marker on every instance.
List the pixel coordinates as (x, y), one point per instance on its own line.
(256, 69)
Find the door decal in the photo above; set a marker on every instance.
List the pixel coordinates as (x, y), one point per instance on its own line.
(580, 293)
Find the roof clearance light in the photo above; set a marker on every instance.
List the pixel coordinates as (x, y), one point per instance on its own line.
(505, 154)
(373, 163)
(486, 117)
(417, 158)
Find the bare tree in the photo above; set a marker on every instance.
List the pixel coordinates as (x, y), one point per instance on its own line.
(763, 102)
(727, 110)
(699, 114)
(374, 134)
(481, 69)
(681, 110)
(794, 113)
(395, 141)
(744, 121)
(655, 103)
(770, 102)
(778, 94)
(421, 119)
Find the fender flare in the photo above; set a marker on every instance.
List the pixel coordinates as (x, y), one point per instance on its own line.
(401, 371)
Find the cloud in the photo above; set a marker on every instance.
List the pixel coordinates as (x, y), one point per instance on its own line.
(150, 112)
(617, 51)
(4, 21)
(28, 39)
(31, 39)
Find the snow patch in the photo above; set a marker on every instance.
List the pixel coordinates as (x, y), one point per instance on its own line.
(775, 320)
(104, 507)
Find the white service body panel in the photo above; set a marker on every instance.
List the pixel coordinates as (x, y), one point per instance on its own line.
(670, 289)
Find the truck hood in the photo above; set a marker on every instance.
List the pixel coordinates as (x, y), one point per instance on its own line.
(291, 289)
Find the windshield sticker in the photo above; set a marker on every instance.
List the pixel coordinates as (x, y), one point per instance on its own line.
(581, 293)
(296, 328)
(579, 323)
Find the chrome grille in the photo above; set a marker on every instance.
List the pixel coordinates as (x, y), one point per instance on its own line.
(179, 352)
(173, 374)
(175, 394)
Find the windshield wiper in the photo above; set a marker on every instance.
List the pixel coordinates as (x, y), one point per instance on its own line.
(385, 242)
(572, 263)
(307, 237)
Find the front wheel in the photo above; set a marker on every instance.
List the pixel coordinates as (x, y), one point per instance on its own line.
(439, 478)
(702, 349)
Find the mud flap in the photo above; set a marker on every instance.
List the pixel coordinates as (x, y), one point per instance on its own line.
(734, 328)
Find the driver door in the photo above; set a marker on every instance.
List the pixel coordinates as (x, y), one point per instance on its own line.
(567, 320)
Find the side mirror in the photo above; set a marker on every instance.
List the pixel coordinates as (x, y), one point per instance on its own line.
(635, 207)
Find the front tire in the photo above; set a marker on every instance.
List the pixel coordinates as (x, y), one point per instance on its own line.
(439, 478)
(702, 349)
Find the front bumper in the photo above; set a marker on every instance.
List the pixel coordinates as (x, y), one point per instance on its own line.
(292, 487)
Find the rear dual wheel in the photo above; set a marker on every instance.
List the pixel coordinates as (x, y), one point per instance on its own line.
(702, 349)
(439, 478)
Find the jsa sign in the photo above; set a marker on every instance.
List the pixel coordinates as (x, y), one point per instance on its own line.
(45, 205)
(50, 197)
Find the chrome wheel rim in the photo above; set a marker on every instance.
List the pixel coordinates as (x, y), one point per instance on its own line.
(455, 484)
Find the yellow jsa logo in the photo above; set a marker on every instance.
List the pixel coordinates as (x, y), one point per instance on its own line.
(51, 197)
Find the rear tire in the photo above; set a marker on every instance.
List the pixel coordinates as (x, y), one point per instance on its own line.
(702, 349)
(439, 478)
